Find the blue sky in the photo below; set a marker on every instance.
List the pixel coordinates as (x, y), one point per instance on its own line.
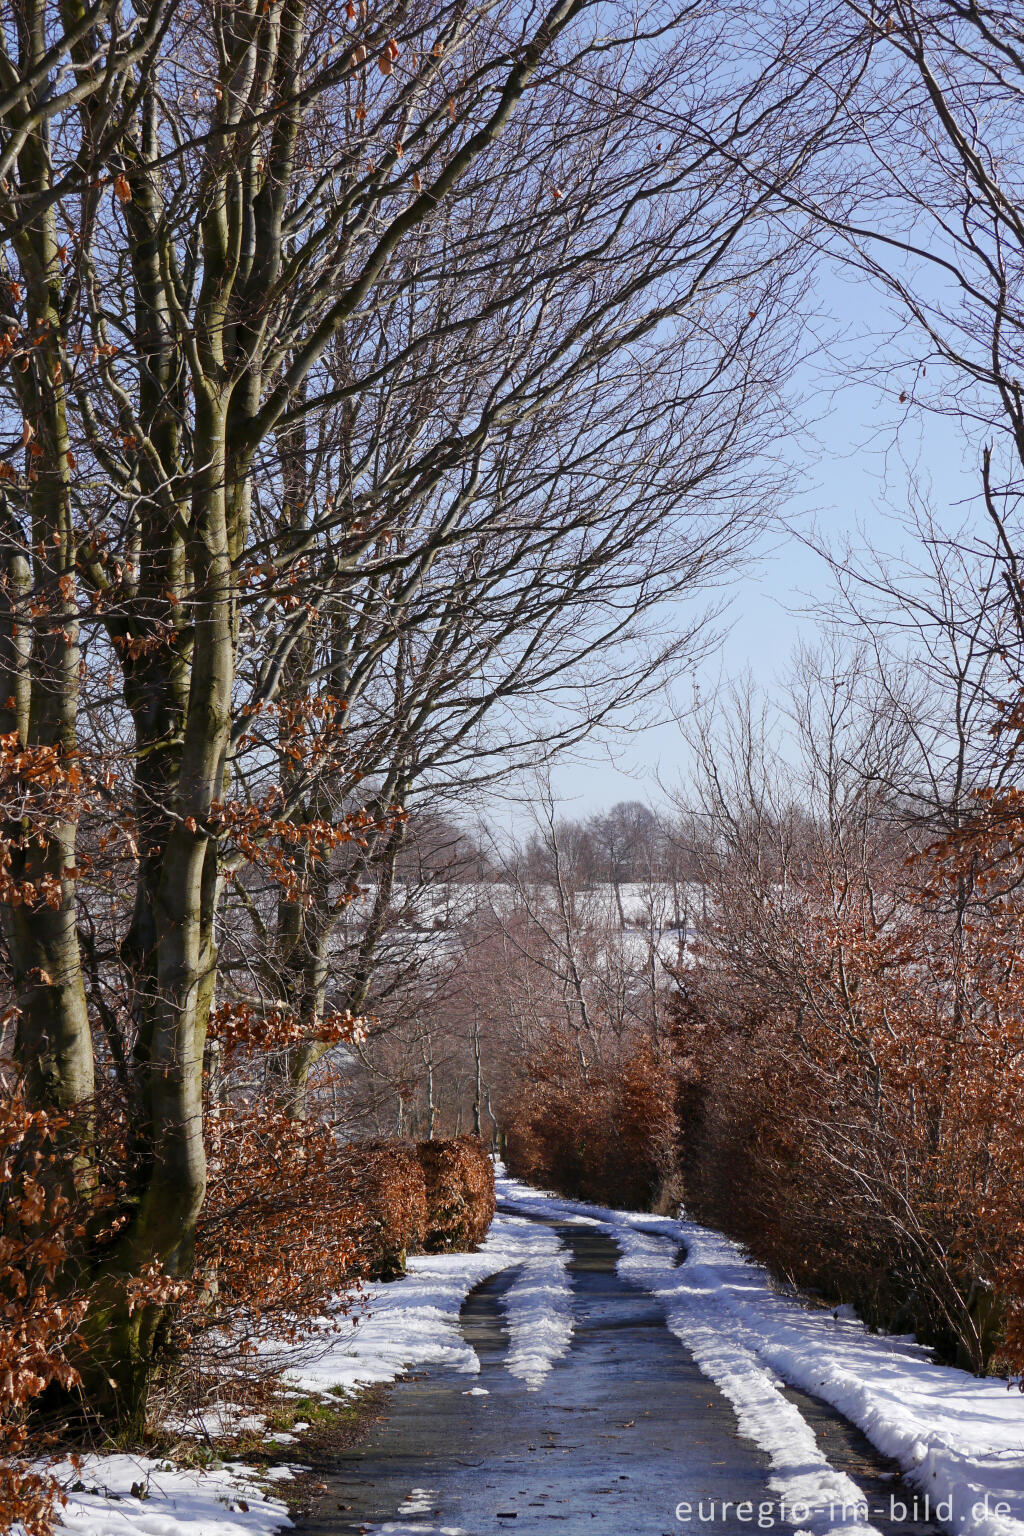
(856, 464)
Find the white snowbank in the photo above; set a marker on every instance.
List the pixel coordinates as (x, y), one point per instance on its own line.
(818, 1497)
(224, 1501)
(538, 1305)
(957, 1438)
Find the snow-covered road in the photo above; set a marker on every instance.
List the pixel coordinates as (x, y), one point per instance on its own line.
(957, 1441)
(616, 1373)
(609, 1441)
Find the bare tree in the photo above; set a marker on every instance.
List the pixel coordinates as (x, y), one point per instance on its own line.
(927, 205)
(582, 432)
(402, 366)
(262, 198)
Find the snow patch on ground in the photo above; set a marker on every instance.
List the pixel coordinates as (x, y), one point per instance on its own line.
(224, 1501)
(389, 1528)
(419, 1502)
(956, 1437)
(538, 1305)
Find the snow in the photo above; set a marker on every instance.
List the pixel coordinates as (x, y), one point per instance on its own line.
(419, 1502)
(389, 1528)
(429, 919)
(538, 1305)
(413, 1322)
(408, 1323)
(957, 1438)
(820, 1497)
(223, 1501)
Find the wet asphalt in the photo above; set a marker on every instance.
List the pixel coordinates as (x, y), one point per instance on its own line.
(623, 1430)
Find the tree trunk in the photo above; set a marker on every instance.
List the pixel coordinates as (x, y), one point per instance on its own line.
(40, 659)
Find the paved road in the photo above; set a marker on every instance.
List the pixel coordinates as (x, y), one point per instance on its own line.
(624, 1428)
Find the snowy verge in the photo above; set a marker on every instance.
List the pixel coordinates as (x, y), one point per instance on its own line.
(957, 1438)
(413, 1321)
(137, 1496)
(815, 1494)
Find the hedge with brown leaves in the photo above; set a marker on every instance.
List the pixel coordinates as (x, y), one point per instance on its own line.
(604, 1133)
(387, 1177)
(278, 1236)
(854, 1056)
(459, 1179)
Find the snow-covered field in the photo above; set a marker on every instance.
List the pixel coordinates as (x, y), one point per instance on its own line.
(430, 919)
(957, 1439)
(640, 904)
